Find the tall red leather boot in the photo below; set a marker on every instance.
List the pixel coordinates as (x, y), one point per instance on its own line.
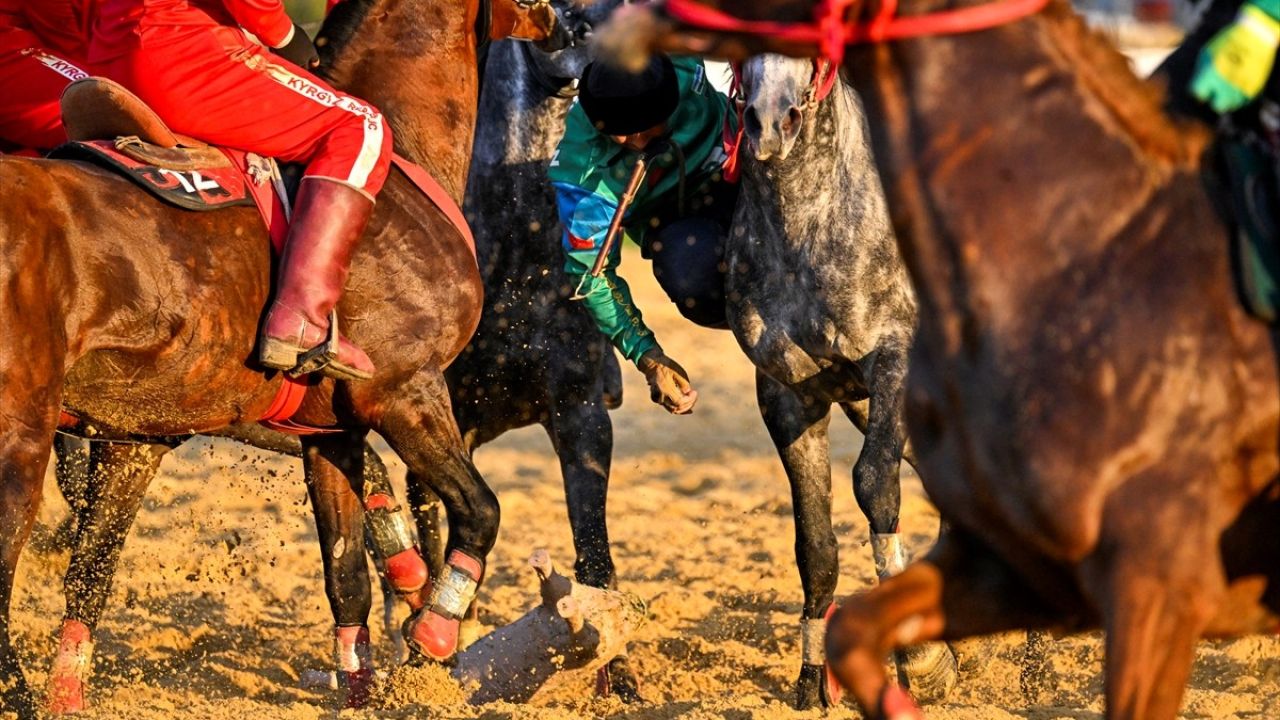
(328, 220)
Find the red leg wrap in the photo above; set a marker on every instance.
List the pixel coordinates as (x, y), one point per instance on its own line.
(355, 665)
(434, 630)
(70, 674)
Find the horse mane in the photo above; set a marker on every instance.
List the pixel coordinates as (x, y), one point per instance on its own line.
(340, 27)
(1136, 105)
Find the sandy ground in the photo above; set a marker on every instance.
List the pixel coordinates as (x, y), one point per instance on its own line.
(219, 605)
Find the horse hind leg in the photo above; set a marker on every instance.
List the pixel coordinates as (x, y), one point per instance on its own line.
(116, 479)
(799, 432)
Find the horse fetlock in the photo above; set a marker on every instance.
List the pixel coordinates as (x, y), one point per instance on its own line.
(890, 557)
(72, 667)
(929, 671)
(354, 657)
(435, 629)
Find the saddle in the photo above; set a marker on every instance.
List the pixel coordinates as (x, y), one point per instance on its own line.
(111, 127)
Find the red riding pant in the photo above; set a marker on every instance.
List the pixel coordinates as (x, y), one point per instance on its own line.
(216, 86)
(31, 85)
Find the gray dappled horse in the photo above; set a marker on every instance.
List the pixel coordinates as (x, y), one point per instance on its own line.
(821, 303)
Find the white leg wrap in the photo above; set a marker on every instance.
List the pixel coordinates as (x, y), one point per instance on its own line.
(813, 636)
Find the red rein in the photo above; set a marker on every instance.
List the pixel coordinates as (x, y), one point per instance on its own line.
(831, 31)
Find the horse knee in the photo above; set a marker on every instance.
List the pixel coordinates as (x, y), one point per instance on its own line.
(878, 494)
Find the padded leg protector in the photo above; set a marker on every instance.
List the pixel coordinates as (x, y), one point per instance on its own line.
(71, 668)
(434, 631)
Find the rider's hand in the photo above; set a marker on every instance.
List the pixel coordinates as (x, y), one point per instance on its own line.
(668, 382)
(1234, 66)
(300, 50)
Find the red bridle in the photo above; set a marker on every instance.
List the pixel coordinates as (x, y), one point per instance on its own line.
(833, 29)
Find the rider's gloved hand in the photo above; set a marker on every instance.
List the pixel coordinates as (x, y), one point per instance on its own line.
(1235, 65)
(668, 382)
(299, 49)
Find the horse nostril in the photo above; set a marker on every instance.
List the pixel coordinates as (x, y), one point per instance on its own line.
(791, 125)
(751, 122)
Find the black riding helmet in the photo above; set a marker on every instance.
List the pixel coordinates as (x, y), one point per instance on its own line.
(621, 103)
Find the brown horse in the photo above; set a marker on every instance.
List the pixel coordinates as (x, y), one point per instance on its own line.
(141, 318)
(1095, 415)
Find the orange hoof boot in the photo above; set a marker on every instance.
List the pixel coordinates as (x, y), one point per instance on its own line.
(433, 631)
(70, 674)
(355, 665)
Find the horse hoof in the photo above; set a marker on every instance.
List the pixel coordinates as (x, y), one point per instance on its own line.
(928, 671)
(358, 686)
(810, 687)
(1035, 679)
(616, 678)
(896, 704)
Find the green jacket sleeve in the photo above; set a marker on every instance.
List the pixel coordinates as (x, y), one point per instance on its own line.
(608, 299)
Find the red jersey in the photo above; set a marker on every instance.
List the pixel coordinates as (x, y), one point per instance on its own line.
(61, 26)
(123, 25)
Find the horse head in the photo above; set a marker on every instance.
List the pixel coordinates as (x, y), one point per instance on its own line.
(776, 90)
(579, 22)
(537, 21)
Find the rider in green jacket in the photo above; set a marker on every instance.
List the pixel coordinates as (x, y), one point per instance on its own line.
(671, 115)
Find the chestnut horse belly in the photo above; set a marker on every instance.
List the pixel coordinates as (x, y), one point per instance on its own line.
(163, 320)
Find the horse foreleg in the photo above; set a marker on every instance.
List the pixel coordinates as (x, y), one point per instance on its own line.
(960, 589)
(116, 479)
(420, 426)
(799, 432)
(25, 444)
(1158, 580)
(582, 435)
(334, 467)
(928, 670)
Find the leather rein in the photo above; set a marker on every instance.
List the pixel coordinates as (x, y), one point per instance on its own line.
(832, 29)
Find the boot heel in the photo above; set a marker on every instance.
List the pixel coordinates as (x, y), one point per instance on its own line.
(278, 354)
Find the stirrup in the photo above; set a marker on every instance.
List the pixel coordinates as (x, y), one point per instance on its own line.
(320, 356)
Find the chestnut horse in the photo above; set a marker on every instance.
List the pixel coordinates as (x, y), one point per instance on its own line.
(141, 318)
(1095, 415)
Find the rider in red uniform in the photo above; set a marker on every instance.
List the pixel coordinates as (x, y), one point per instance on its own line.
(42, 48)
(192, 63)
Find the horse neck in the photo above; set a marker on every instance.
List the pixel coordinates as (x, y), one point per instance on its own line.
(415, 60)
(522, 120)
(520, 126)
(1017, 158)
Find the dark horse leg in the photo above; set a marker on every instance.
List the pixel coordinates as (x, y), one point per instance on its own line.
(117, 477)
(799, 431)
(958, 590)
(582, 435)
(929, 671)
(334, 466)
(420, 427)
